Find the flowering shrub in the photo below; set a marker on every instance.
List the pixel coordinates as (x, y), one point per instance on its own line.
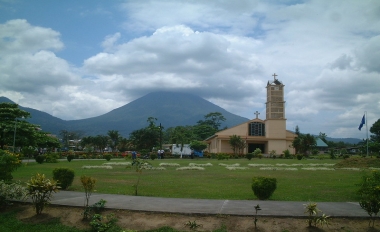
(118, 164)
(190, 168)
(103, 166)
(236, 168)
(199, 165)
(13, 191)
(169, 164)
(9, 162)
(229, 165)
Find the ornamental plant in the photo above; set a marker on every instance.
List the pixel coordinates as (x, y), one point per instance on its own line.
(64, 177)
(369, 192)
(40, 190)
(263, 187)
(14, 191)
(9, 162)
(89, 186)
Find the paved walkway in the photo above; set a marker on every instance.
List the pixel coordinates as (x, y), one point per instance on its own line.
(204, 206)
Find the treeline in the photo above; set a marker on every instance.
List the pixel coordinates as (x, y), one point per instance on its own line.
(151, 136)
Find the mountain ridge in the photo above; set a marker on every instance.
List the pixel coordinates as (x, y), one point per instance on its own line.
(170, 108)
(167, 107)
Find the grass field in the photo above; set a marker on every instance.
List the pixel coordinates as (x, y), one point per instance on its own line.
(297, 180)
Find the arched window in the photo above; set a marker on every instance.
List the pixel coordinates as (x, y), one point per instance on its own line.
(256, 129)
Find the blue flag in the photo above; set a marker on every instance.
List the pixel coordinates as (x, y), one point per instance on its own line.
(362, 123)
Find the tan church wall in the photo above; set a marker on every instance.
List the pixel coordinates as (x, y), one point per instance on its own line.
(240, 130)
(275, 129)
(278, 145)
(289, 146)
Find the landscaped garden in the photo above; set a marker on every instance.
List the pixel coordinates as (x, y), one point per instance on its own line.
(297, 180)
(303, 180)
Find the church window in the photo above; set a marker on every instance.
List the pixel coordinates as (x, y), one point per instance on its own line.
(256, 129)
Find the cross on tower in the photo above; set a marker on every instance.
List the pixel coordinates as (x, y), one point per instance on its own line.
(257, 114)
(274, 75)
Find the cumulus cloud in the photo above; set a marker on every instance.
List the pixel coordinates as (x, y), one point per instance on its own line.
(177, 57)
(325, 52)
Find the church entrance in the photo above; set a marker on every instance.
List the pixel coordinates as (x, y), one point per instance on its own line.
(252, 147)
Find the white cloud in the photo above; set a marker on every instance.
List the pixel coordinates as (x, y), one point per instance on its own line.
(325, 52)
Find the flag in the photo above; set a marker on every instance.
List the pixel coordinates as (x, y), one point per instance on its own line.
(362, 123)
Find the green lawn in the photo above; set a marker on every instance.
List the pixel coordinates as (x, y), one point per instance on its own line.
(215, 182)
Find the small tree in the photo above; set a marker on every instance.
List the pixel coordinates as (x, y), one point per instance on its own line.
(369, 192)
(41, 191)
(139, 165)
(88, 186)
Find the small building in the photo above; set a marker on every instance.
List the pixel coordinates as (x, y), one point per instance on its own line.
(320, 145)
(268, 134)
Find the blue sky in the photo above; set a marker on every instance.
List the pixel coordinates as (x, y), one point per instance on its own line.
(80, 59)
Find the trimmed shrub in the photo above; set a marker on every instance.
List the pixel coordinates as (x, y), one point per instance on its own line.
(263, 187)
(40, 159)
(70, 157)
(107, 157)
(249, 156)
(299, 157)
(153, 156)
(64, 177)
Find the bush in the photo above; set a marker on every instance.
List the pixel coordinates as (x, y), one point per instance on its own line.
(9, 162)
(70, 157)
(299, 157)
(40, 159)
(13, 191)
(263, 187)
(153, 156)
(287, 154)
(107, 157)
(40, 190)
(100, 223)
(51, 158)
(369, 192)
(249, 156)
(260, 156)
(64, 177)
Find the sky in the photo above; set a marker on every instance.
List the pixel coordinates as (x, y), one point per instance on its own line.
(81, 59)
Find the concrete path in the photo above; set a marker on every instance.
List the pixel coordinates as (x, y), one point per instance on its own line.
(210, 207)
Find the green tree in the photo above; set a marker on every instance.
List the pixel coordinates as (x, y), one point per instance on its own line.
(15, 129)
(375, 129)
(323, 137)
(66, 136)
(213, 119)
(101, 142)
(234, 143)
(198, 145)
(115, 138)
(146, 138)
(180, 136)
(303, 143)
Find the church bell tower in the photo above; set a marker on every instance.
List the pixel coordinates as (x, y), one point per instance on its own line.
(275, 105)
(275, 121)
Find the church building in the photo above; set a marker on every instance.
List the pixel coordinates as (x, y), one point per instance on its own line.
(268, 135)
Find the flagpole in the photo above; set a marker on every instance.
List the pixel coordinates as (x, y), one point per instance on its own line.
(366, 126)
